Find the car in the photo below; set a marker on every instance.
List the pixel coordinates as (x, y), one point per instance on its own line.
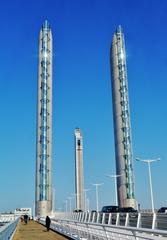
(93, 211)
(110, 209)
(77, 210)
(128, 210)
(162, 210)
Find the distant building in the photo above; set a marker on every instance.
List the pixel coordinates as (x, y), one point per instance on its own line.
(18, 212)
(79, 172)
(6, 217)
(43, 196)
(122, 125)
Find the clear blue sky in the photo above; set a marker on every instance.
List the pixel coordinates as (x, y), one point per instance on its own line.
(82, 33)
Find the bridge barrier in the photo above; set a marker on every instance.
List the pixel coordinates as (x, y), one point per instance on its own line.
(7, 217)
(7, 231)
(139, 220)
(110, 226)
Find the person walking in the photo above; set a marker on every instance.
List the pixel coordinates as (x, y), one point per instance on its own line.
(25, 218)
(47, 222)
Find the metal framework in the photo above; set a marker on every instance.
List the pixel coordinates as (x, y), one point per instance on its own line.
(104, 226)
(7, 231)
(79, 172)
(122, 126)
(44, 125)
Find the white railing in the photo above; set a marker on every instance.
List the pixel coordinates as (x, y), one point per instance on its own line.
(7, 217)
(138, 220)
(7, 231)
(111, 226)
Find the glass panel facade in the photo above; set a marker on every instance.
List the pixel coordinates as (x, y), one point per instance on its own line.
(125, 115)
(44, 115)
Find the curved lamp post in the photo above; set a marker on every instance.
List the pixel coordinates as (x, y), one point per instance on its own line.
(115, 182)
(149, 161)
(97, 194)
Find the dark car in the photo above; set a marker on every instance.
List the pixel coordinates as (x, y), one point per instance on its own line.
(77, 210)
(93, 211)
(128, 210)
(110, 209)
(162, 210)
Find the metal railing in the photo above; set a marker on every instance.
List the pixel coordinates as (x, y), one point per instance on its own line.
(111, 226)
(7, 231)
(7, 217)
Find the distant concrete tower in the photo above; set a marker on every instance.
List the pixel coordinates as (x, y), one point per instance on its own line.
(122, 125)
(43, 198)
(79, 175)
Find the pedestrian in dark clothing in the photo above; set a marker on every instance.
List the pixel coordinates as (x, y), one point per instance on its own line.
(48, 221)
(25, 218)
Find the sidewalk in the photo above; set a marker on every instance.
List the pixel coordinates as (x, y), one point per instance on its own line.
(34, 231)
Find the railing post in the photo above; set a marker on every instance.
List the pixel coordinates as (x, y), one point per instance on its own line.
(154, 222)
(80, 217)
(93, 218)
(89, 216)
(109, 219)
(98, 216)
(83, 217)
(117, 219)
(86, 214)
(127, 220)
(139, 220)
(103, 218)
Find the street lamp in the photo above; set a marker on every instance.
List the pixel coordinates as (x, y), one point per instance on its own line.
(97, 194)
(70, 202)
(115, 181)
(76, 198)
(85, 191)
(88, 204)
(149, 161)
(65, 205)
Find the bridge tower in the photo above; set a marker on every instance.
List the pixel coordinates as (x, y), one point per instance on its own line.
(121, 119)
(79, 175)
(43, 196)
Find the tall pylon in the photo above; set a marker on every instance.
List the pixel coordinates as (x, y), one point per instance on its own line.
(122, 124)
(79, 172)
(43, 196)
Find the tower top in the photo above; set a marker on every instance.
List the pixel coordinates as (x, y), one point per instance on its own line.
(77, 129)
(78, 132)
(119, 29)
(46, 25)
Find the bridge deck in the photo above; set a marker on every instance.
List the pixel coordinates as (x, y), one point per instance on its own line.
(34, 231)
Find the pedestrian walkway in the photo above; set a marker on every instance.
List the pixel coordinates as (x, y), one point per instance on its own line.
(34, 231)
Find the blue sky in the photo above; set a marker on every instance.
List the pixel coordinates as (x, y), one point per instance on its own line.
(82, 32)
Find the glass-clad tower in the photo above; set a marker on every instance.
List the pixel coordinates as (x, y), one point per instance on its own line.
(43, 198)
(122, 125)
(79, 175)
